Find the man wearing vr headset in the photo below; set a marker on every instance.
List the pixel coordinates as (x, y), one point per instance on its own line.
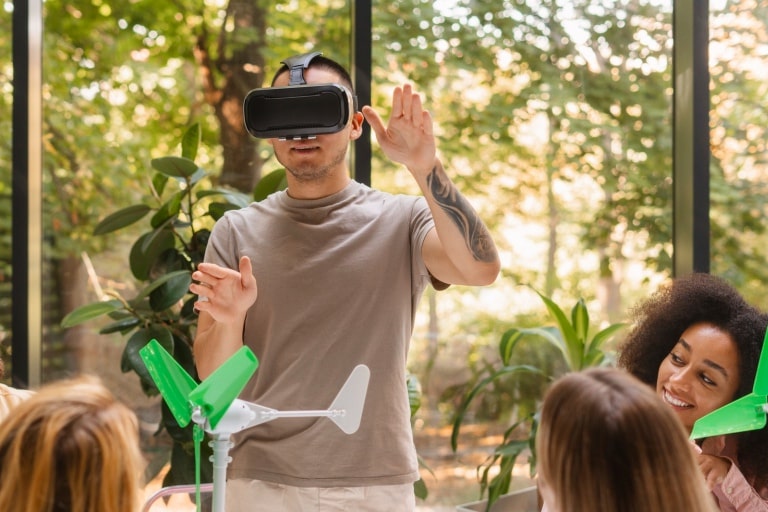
(325, 276)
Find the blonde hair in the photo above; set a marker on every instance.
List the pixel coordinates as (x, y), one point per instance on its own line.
(606, 442)
(70, 447)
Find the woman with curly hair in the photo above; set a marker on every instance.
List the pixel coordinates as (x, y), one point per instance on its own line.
(697, 342)
(70, 447)
(593, 449)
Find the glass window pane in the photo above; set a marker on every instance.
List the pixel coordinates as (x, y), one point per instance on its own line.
(739, 167)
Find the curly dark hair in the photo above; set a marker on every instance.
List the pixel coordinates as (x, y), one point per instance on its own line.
(658, 323)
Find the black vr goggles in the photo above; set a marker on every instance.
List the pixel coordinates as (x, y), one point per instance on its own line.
(298, 111)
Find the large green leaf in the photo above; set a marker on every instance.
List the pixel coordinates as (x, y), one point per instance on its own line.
(160, 281)
(512, 448)
(159, 181)
(507, 344)
(420, 489)
(146, 251)
(580, 320)
(217, 210)
(603, 336)
(554, 336)
(121, 219)
(170, 292)
(230, 196)
(461, 410)
(89, 312)
(565, 326)
(122, 326)
(190, 142)
(169, 210)
(175, 166)
(500, 483)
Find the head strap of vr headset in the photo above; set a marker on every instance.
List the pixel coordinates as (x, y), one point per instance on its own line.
(296, 66)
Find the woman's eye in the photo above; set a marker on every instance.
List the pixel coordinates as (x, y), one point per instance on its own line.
(707, 380)
(675, 358)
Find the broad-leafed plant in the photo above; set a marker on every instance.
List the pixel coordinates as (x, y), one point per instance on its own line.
(180, 211)
(571, 336)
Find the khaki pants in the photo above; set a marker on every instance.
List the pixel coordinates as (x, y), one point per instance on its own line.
(256, 496)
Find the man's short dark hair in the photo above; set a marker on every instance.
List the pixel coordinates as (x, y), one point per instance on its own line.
(324, 63)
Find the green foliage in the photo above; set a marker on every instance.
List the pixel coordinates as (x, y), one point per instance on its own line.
(414, 400)
(527, 114)
(570, 335)
(179, 211)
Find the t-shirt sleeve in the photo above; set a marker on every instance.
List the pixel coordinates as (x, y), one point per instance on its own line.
(421, 224)
(221, 248)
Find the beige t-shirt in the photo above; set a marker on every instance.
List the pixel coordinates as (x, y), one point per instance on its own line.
(10, 398)
(339, 282)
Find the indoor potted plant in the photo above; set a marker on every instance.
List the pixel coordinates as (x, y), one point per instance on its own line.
(573, 339)
(178, 211)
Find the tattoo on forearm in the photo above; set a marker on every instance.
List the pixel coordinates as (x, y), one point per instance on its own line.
(458, 209)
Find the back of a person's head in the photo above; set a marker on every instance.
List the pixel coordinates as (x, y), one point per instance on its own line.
(606, 442)
(70, 447)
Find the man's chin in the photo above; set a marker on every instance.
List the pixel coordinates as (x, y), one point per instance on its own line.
(308, 175)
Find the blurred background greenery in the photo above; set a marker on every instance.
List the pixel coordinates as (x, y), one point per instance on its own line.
(555, 119)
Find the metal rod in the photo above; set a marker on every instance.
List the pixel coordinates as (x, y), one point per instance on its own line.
(174, 489)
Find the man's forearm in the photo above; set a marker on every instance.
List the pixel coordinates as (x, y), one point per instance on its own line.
(215, 342)
(463, 237)
(457, 208)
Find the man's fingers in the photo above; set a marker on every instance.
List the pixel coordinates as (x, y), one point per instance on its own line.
(397, 102)
(416, 109)
(202, 291)
(245, 265)
(213, 270)
(407, 102)
(426, 123)
(374, 119)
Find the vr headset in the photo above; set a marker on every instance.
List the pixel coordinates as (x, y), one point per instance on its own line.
(298, 111)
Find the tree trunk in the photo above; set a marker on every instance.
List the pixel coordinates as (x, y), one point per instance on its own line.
(553, 218)
(609, 288)
(70, 288)
(227, 79)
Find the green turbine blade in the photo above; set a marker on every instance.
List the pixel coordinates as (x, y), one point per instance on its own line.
(761, 375)
(217, 392)
(741, 415)
(174, 383)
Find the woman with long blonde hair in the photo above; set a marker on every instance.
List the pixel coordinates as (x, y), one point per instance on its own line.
(607, 443)
(71, 447)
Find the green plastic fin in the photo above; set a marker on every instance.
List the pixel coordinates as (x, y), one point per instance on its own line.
(216, 393)
(198, 434)
(741, 415)
(171, 379)
(761, 376)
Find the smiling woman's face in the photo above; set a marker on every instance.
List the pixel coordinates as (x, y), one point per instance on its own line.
(700, 374)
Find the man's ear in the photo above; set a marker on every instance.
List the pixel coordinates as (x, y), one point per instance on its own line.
(357, 126)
